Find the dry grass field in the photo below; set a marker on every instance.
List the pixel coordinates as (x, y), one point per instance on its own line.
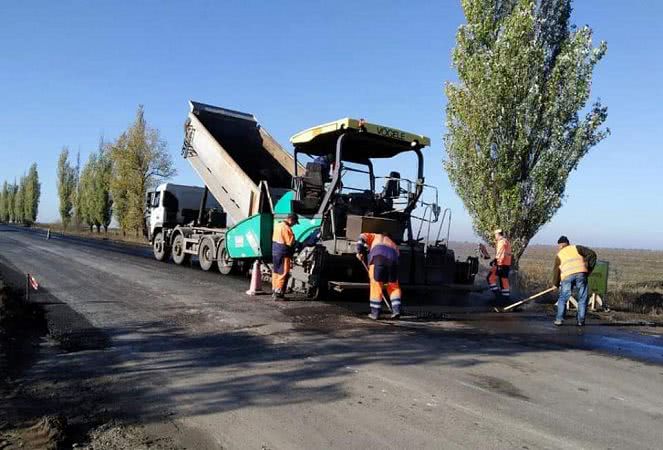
(635, 280)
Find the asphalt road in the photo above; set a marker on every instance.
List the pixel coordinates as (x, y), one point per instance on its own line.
(246, 372)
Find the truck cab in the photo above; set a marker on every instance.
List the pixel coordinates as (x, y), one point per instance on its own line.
(169, 205)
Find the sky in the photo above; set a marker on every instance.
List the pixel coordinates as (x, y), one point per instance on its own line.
(71, 71)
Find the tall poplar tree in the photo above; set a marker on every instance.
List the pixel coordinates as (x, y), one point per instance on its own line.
(4, 199)
(31, 195)
(140, 160)
(66, 184)
(514, 126)
(19, 201)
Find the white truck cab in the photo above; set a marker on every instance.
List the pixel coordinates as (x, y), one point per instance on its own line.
(172, 204)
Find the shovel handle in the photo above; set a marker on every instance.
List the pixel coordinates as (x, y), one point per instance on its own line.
(529, 298)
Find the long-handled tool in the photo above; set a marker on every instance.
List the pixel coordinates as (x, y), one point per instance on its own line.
(510, 307)
(384, 299)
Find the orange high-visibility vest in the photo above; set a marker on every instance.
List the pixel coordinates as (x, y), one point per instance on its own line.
(571, 262)
(283, 234)
(503, 252)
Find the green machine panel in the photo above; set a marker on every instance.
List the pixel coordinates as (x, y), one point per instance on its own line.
(251, 238)
(598, 280)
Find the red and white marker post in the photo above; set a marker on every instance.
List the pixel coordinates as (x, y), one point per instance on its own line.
(30, 283)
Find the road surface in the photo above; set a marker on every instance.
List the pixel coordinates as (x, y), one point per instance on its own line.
(246, 372)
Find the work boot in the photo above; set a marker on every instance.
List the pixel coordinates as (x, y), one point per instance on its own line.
(580, 323)
(396, 312)
(558, 323)
(375, 313)
(277, 295)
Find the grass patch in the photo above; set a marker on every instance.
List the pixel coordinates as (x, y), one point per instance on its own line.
(113, 234)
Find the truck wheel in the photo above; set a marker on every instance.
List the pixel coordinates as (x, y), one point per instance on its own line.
(225, 262)
(206, 253)
(159, 247)
(179, 257)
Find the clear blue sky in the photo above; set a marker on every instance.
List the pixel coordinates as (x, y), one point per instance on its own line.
(72, 70)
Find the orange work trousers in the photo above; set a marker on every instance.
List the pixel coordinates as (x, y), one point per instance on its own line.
(393, 290)
(279, 280)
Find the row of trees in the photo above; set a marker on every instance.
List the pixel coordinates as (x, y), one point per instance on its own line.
(19, 202)
(115, 179)
(85, 195)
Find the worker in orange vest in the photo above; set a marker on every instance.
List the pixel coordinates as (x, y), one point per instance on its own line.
(573, 265)
(382, 258)
(283, 248)
(493, 279)
(502, 261)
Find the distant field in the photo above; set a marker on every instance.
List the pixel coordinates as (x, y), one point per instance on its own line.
(635, 280)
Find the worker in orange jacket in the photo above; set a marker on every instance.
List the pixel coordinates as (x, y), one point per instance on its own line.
(283, 248)
(382, 258)
(503, 259)
(493, 279)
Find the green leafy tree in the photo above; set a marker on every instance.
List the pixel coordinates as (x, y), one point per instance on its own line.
(31, 195)
(19, 201)
(514, 131)
(10, 201)
(85, 192)
(66, 183)
(101, 201)
(4, 198)
(140, 160)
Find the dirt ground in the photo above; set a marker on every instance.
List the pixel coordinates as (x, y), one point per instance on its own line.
(54, 410)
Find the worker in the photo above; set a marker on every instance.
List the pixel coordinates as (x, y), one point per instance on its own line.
(283, 248)
(492, 279)
(327, 164)
(382, 259)
(503, 257)
(573, 265)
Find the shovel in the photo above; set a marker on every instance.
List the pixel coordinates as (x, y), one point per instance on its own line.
(510, 307)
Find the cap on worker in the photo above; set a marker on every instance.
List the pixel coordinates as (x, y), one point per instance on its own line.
(563, 240)
(294, 218)
(499, 231)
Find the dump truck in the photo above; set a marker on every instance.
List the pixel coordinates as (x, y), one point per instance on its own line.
(258, 183)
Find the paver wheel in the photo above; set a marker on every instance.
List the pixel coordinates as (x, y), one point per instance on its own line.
(206, 251)
(225, 262)
(160, 249)
(179, 257)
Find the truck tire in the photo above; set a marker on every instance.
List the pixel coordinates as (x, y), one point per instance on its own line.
(206, 252)
(224, 261)
(179, 256)
(160, 249)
